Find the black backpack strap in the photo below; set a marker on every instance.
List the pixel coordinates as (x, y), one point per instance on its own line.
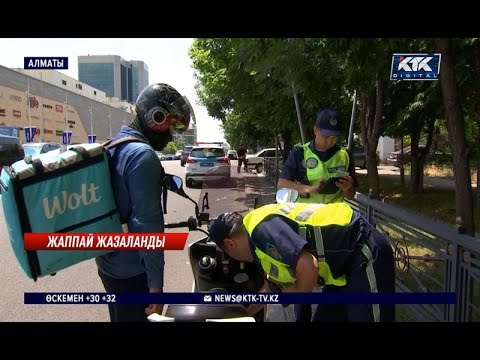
(110, 144)
(164, 188)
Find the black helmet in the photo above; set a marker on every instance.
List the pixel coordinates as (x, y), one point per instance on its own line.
(154, 105)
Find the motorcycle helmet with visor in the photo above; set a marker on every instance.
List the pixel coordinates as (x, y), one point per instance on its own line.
(161, 108)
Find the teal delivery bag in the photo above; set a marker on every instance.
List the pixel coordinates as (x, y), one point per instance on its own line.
(58, 192)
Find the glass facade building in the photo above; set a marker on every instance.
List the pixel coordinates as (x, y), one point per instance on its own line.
(99, 76)
(113, 75)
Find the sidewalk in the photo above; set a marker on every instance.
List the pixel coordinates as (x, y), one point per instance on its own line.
(257, 186)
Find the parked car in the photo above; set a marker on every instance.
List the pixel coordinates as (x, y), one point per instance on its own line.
(203, 159)
(35, 149)
(360, 157)
(160, 155)
(255, 161)
(11, 150)
(178, 154)
(185, 152)
(232, 154)
(169, 157)
(434, 156)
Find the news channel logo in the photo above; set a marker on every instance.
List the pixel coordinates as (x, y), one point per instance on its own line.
(422, 67)
(45, 63)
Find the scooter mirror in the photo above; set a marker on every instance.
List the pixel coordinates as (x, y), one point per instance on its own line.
(175, 183)
(286, 195)
(178, 181)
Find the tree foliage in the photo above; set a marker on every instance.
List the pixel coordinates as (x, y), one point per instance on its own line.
(248, 85)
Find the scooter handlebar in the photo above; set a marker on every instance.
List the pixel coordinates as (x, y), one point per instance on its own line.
(177, 225)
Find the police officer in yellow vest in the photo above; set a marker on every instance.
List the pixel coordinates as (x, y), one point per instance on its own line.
(321, 171)
(310, 166)
(299, 244)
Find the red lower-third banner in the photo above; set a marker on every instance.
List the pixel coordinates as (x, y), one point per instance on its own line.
(105, 241)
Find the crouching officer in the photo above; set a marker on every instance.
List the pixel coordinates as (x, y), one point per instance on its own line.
(300, 244)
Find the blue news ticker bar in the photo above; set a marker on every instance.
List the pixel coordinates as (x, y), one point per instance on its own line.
(239, 298)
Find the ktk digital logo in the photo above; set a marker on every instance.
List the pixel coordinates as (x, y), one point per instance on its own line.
(51, 63)
(415, 66)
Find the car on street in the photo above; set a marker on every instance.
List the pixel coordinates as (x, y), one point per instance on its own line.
(35, 149)
(232, 154)
(255, 161)
(434, 155)
(360, 157)
(11, 150)
(206, 161)
(160, 155)
(178, 154)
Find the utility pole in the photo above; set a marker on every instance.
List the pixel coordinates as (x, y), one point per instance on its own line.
(41, 97)
(110, 120)
(28, 107)
(299, 115)
(352, 122)
(67, 140)
(91, 118)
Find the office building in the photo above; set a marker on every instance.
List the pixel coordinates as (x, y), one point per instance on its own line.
(114, 75)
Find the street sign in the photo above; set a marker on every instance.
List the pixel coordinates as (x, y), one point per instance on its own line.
(30, 133)
(66, 136)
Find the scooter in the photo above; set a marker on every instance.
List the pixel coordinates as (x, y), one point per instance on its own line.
(213, 271)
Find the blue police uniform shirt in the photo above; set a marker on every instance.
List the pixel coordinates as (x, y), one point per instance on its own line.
(294, 170)
(136, 178)
(276, 237)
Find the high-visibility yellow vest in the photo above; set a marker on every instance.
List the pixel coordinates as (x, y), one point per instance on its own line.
(315, 215)
(317, 169)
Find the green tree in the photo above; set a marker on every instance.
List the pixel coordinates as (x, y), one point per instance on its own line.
(170, 148)
(456, 132)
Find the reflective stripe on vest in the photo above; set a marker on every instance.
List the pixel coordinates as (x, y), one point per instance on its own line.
(339, 160)
(372, 280)
(315, 215)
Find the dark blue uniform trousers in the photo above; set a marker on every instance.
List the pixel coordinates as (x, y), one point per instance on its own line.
(126, 312)
(372, 269)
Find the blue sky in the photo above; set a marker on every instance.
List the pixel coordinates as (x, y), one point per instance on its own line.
(167, 61)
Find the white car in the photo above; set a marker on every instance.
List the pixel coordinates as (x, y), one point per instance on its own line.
(160, 155)
(232, 155)
(255, 161)
(206, 161)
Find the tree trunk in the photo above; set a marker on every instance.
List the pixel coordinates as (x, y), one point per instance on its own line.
(370, 124)
(414, 158)
(402, 168)
(456, 133)
(287, 144)
(477, 142)
(419, 155)
(476, 112)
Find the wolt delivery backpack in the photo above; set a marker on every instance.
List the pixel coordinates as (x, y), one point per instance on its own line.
(59, 192)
